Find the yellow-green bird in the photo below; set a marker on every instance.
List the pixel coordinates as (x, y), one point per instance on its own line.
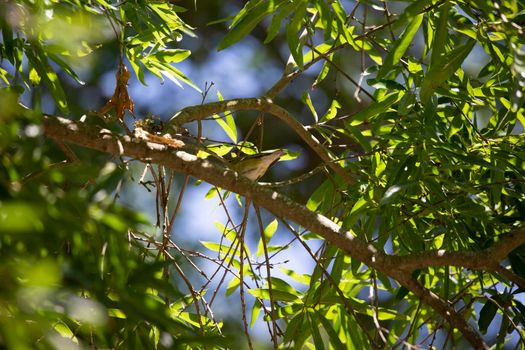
(255, 166)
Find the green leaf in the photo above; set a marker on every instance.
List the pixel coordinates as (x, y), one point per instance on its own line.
(376, 108)
(219, 149)
(401, 293)
(256, 309)
(295, 330)
(400, 46)
(486, 315)
(34, 78)
(38, 60)
(413, 10)
(232, 286)
(171, 55)
(166, 69)
(520, 310)
(359, 137)
(332, 111)
(308, 101)
(289, 155)
(444, 68)
(517, 263)
(212, 192)
(317, 51)
(4, 75)
(277, 295)
(314, 328)
(246, 21)
(393, 192)
(293, 31)
(342, 24)
(282, 285)
(229, 233)
(384, 314)
(137, 66)
(66, 67)
(301, 278)
(324, 71)
(326, 16)
(228, 123)
(247, 147)
(223, 249)
(275, 25)
(335, 341)
(269, 231)
(317, 197)
(440, 38)
(361, 205)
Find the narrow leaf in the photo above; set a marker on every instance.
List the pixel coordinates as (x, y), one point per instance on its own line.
(256, 309)
(232, 286)
(444, 69)
(247, 23)
(268, 233)
(314, 327)
(486, 315)
(376, 108)
(335, 341)
(308, 101)
(228, 123)
(332, 111)
(39, 61)
(293, 31)
(438, 46)
(400, 46)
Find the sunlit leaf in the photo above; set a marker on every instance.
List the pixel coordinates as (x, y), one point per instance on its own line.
(254, 12)
(376, 108)
(293, 32)
(400, 46)
(268, 233)
(443, 69)
(227, 123)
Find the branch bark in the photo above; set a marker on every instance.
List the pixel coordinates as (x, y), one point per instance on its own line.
(103, 140)
(487, 259)
(266, 105)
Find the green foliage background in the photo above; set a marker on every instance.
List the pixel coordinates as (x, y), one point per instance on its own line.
(435, 147)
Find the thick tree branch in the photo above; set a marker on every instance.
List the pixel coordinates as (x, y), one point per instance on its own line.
(486, 259)
(266, 105)
(103, 140)
(511, 276)
(106, 141)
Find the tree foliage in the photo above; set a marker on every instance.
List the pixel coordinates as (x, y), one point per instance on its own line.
(414, 212)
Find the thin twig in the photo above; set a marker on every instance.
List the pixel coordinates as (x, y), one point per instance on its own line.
(268, 279)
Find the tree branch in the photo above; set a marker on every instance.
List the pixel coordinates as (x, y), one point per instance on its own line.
(104, 140)
(443, 308)
(486, 259)
(200, 112)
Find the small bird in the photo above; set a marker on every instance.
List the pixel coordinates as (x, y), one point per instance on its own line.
(255, 166)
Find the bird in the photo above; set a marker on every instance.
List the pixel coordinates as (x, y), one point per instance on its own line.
(255, 166)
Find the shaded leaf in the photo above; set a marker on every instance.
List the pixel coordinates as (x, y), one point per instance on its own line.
(486, 315)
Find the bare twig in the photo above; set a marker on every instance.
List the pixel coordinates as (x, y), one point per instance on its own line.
(269, 279)
(244, 224)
